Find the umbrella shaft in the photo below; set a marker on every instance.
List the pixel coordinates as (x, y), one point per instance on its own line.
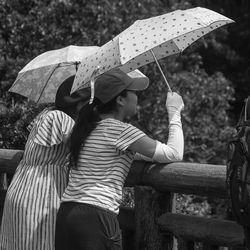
(165, 79)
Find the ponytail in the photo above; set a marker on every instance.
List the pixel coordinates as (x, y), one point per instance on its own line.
(85, 123)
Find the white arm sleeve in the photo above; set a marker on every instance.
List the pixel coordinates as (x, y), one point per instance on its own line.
(173, 150)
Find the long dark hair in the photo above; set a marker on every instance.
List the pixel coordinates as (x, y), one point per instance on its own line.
(70, 111)
(87, 120)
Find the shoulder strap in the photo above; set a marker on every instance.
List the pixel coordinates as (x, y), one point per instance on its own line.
(245, 112)
(247, 109)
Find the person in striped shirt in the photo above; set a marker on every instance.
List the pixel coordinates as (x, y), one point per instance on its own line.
(33, 197)
(103, 148)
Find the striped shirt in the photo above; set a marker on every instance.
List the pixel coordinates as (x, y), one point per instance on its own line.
(103, 165)
(33, 197)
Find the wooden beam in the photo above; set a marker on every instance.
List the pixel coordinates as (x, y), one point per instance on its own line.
(179, 177)
(200, 229)
(9, 160)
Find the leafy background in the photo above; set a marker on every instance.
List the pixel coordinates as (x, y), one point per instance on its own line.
(212, 75)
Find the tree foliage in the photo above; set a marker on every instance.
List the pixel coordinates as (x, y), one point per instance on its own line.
(202, 74)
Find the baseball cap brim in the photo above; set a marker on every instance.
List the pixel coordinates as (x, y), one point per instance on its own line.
(138, 81)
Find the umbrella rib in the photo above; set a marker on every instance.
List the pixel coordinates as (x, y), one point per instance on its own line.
(57, 66)
(77, 64)
(165, 79)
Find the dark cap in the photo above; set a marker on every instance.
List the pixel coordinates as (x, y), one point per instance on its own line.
(111, 83)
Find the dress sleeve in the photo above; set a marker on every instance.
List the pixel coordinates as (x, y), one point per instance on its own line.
(128, 136)
(52, 128)
(35, 120)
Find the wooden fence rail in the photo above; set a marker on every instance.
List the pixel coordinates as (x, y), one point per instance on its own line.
(153, 222)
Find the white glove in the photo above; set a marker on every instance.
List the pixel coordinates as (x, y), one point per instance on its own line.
(173, 150)
(174, 100)
(174, 105)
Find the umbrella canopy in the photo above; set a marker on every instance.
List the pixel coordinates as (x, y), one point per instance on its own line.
(41, 77)
(148, 40)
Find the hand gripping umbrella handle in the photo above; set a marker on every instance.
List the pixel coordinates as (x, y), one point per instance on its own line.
(165, 79)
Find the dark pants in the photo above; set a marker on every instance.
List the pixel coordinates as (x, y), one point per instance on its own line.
(86, 227)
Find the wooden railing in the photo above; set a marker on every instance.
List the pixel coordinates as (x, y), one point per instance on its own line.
(152, 223)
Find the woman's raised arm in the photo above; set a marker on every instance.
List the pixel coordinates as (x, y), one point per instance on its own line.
(149, 149)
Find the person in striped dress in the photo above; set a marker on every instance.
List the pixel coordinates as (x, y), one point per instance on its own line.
(103, 148)
(33, 197)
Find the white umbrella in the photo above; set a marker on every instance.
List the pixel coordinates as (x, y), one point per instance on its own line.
(41, 77)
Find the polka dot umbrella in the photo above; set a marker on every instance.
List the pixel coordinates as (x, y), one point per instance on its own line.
(148, 40)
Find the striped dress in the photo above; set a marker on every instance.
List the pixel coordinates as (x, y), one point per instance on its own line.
(103, 165)
(33, 196)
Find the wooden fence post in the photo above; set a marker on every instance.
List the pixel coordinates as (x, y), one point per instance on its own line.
(126, 218)
(210, 247)
(184, 244)
(149, 205)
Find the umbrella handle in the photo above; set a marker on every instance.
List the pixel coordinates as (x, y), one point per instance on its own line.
(92, 87)
(165, 79)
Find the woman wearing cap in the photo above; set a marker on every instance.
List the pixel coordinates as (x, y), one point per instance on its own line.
(102, 150)
(34, 194)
